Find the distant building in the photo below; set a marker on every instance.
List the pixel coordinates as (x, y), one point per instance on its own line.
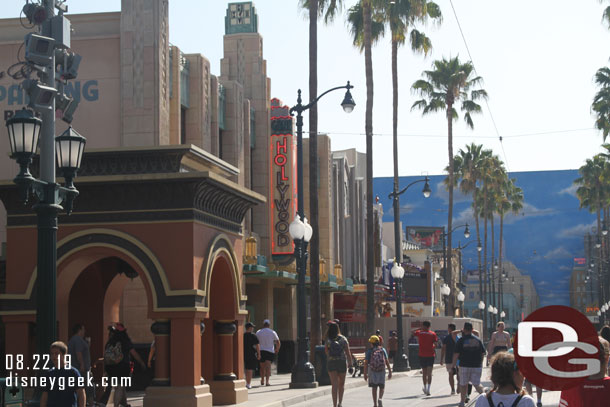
(584, 288)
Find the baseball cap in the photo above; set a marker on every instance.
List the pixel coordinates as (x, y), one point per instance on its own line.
(249, 324)
(119, 327)
(266, 322)
(331, 322)
(373, 339)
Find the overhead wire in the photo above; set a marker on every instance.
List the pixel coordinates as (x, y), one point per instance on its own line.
(486, 101)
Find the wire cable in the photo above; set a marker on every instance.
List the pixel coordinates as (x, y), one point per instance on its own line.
(475, 71)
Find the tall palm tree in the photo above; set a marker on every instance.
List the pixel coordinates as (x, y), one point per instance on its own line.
(328, 9)
(361, 26)
(498, 175)
(468, 167)
(511, 201)
(601, 101)
(592, 193)
(449, 83)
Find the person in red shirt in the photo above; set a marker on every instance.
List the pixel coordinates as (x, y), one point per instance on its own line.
(595, 390)
(427, 343)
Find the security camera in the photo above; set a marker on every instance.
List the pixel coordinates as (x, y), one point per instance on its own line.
(41, 96)
(63, 102)
(35, 13)
(38, 49)
(69, 112)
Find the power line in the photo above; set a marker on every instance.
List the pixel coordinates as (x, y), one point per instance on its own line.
(415, 135)
(475, 71)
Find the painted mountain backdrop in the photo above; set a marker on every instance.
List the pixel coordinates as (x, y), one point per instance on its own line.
(542, 240)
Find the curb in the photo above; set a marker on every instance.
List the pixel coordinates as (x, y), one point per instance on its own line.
(326, 390)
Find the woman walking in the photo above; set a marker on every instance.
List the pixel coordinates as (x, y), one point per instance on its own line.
(508, 384)
(339, 356)
(500, 341)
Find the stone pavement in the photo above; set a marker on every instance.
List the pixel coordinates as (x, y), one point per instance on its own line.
(403, 389)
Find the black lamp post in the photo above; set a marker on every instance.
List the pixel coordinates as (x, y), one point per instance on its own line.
(447, 276)
(303, 375)
(401, 363)
(461, 297)
(47, 56)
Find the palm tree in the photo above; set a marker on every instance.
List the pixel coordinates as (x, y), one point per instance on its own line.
(593, 193)
(361, 26)
(511, 201)
(328, 8)
(498, 176)
(467, 166)
(449, 83)
(601, 101)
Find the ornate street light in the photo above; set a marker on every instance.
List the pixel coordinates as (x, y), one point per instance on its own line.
(502, 314)
(481, 307)
(303, 375)
(447, 273)
(461, 297)
(401, 362)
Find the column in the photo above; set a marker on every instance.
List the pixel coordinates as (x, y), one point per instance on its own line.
(161, 330)
(224, 331)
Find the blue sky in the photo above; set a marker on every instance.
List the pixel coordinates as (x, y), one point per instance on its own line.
(541, 241)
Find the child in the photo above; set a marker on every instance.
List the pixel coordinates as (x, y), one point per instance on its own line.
(375, 362)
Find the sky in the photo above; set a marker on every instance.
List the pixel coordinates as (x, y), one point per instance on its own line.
(537, 59)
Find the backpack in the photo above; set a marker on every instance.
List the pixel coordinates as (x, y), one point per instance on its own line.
(335, 348)
(515, 403)
(377, 362)
(113, 354)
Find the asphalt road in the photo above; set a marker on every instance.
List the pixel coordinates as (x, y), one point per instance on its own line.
(407, 391)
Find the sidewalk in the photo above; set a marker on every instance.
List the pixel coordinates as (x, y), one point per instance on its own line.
(280, 395)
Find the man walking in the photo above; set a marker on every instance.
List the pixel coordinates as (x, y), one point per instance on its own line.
(252, 352)
(447, 355)
(470, 351)
(269, 345)
(427, 342)
(78, 348)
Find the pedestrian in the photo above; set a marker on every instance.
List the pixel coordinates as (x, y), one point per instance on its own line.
(500, 341)
(427, 343)
(469, 350)
(447, 355)
(117, 353)
(72, 394)
(252, 353)
(605, 333)
(392, 345)
(378, 334)
(595, 390)
(78, 348)
(508, 384)
(339, 357)
(269, 347)
(375, 363)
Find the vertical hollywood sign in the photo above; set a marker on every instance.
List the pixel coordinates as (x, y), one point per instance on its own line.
(283, 178)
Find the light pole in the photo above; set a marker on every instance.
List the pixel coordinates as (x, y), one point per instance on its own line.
(47, 55)
(445, 274)
(401, 364)
(303, 375)
(481, 307)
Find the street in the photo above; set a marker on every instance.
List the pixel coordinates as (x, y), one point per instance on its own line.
(407, 391)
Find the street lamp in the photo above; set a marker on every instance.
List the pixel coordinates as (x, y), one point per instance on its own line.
(401, 362)
(502, 314)
(47, 57)
(481, 308)
(303, 375)
(445, 277)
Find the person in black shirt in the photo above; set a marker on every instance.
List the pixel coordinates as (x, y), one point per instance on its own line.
(470, 351)
(60, 394)
(447, 355)
(252, 352)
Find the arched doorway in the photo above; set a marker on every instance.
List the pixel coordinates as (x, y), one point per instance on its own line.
(222, 355)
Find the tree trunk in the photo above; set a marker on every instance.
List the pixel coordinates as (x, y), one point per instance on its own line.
(449, 270)
(487, 286)
(368, 129)
(397, 231)
(476, 220)
(500, 265)
(494, 271)
(314, 244)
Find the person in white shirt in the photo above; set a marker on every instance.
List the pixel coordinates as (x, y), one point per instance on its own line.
(270, 345)
(508, 384)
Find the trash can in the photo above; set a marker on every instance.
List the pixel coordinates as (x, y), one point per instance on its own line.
(286, 357)
(320, 360)
(11, 396)
(413, 356)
